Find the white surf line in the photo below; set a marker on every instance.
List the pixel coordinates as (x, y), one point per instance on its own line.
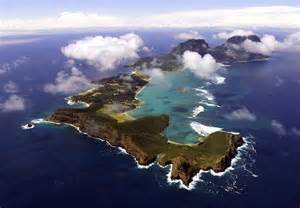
(197, 111)
(207, 96)
(197, 177)
(27, 127)
(219, 80)
(122, 150)
(204, 130)
(71, 102)
(209, 104)
(205, 93)
(84, 104)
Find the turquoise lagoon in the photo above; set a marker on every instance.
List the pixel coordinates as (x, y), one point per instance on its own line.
(178, 95)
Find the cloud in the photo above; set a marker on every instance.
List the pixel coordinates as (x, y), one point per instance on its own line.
(156, 75)
(204, 67)
(68, 83)
(227, 35)
(263, 16)
(267, 16)
(11, 87)
(242, 114)
(105, 52)
(62, 21)
(69, 64)
(13, 103)
(278, 81)
(291, 42)
(281, 130)
(295, 131)
(189, 35)
(278, 128)
(147, 49)
(6, 67)
(5, 42)
(267, 45)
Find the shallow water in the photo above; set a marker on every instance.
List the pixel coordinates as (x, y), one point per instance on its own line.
(176, 97)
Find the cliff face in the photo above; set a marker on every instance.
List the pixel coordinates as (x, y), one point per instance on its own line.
(185, 169)
(142, 138)
(233, 51)
(229, 52)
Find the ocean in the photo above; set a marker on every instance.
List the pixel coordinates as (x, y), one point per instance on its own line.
(56, 166)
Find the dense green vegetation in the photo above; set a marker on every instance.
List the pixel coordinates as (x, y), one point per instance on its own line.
(106, 118)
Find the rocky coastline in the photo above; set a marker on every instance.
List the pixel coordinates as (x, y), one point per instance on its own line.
(105, 114)
(142, 138)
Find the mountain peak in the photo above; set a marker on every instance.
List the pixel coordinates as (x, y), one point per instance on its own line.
(197, 45)
(240, 39)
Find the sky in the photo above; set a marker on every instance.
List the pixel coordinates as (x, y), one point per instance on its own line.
(58, 14)
(37, 9)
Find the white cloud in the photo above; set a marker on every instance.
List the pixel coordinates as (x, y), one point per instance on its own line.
(69, 64)
(264, 16)
(204, 67)
(268, 16)
(267, 45)
(156, 75)
(189, 35)
(5, 42)
(291, 42)
(295, 131)
(278, 128)
(227, 35)
(13, 103)
(147, 49)
(279, 81)
(63, 21)
(11, 87)
(281, 130)
(241, 114)
(105, 52)
(5, 67)
(69, 83)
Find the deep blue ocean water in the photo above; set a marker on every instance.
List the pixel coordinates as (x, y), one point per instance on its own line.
(55, 166)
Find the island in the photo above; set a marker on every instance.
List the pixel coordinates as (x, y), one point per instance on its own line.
(229, 52)
(106, 116)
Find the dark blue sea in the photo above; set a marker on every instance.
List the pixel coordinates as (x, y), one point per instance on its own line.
(56, 166)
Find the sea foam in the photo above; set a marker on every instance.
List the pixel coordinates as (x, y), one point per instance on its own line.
(205, 93)
(27, 127)
(72, 103)
(198, 110)
(197, 178)
(219, 80)
(204, 130)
